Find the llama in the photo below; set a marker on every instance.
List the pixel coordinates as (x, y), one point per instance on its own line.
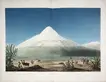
(24, 63)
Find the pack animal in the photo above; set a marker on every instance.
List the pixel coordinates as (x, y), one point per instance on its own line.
(25, 63)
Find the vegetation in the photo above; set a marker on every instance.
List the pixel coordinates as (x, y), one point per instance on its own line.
(95, 63)
(11, 52)
(68, 66)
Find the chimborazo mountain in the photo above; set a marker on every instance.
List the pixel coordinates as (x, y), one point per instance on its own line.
(50, 45)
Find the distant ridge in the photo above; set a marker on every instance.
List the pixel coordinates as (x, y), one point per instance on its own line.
(92, 45)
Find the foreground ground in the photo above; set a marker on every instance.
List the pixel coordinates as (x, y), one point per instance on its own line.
(52, 66)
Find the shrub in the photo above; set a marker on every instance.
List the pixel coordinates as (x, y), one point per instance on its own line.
(68, 66)
(95, 63)
(11, 52)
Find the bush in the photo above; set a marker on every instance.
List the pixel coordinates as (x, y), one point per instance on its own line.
(95, 63)
(11, 52)
(68, 66)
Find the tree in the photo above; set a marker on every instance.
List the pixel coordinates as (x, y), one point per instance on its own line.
(11, 52)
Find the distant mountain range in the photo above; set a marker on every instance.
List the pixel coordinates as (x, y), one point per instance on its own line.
(93, 45)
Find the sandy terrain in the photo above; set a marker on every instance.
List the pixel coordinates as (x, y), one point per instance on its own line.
(54, 65)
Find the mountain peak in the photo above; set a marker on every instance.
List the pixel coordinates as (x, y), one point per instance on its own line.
(48, 37)
(49, 30)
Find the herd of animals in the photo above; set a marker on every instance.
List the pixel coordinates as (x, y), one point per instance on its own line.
(23, 63)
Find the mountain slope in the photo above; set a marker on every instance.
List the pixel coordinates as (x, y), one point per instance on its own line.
(50, 45)
(47, 38)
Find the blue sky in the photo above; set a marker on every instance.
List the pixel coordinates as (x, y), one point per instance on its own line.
(81, 25)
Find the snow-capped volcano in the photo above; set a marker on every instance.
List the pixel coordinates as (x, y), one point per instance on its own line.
(47, 38)
(92, 45)
(50, 34)
(50, 45)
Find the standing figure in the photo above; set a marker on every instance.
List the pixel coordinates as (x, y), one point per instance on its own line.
(19, 65)
(32, 61)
